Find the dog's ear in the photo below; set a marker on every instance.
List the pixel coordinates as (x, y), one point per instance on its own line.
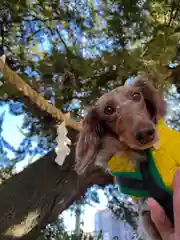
(154, 98)
(88, 143)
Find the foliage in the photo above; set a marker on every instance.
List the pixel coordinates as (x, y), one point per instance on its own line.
(65, 46)
(71, 55)
(56, 230)
(121, 205)
(174, 114)
(73, 52)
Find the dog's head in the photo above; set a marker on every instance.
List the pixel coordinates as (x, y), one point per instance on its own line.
(128, 114)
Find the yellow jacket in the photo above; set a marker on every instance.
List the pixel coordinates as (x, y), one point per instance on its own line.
(166, 158)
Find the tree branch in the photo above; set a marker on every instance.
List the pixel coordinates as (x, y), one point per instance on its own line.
(47, 190)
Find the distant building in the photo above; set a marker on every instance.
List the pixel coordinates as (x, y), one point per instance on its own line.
(112, 228)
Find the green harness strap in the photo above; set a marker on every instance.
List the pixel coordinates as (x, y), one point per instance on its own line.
(146, 182)
(132, 183)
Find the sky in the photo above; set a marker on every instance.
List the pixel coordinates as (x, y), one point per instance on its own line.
(11, 126)
(12, 135)
(88, 215)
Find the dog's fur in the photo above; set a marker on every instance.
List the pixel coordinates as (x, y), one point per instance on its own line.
(112, 126)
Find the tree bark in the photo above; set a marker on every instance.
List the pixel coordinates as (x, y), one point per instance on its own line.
(38, 194)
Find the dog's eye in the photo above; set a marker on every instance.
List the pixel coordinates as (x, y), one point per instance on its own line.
(108, 110)
(136, 96)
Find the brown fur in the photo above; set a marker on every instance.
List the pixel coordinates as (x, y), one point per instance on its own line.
(113, 130)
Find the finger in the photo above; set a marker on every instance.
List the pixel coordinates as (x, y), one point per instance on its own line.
(160, 219)
(176, 200)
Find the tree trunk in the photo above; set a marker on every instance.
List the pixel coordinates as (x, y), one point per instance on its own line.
(38, 194)
(78, 218)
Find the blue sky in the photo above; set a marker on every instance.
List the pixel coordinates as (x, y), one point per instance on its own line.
(13, 136)
(87, 216)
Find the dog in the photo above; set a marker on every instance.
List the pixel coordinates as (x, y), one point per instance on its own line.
(123, 120)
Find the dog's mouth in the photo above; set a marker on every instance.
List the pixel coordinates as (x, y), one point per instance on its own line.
(153, 144)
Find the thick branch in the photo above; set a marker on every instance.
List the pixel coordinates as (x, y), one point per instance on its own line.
(37, 195)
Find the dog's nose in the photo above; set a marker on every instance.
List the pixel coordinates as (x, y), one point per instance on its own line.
(145, 135)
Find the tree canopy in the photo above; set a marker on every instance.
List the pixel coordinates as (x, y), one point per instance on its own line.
(60, 57)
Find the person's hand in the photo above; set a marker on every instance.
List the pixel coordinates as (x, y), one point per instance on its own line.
(161, 221)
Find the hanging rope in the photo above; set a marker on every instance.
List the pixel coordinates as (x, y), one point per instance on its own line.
(14, 79)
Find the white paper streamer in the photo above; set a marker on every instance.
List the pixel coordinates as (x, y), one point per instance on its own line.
(62, 149)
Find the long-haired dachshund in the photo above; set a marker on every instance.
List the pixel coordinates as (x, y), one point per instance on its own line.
(123, 120)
